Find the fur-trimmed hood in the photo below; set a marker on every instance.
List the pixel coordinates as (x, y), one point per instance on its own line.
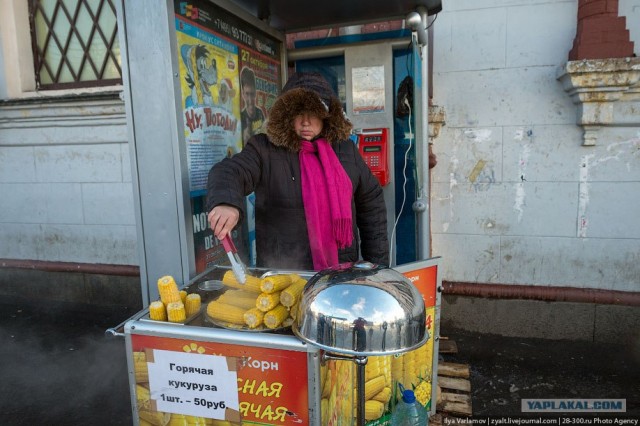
(318, 100)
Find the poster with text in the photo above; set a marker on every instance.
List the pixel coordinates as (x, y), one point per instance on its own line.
(213, 47)
(210, 98)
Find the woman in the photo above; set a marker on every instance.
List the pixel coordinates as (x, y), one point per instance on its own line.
(317, 203)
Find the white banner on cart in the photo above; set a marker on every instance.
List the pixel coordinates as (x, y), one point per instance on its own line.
(193, 384)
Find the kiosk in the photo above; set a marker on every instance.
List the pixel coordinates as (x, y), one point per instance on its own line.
(182, 72)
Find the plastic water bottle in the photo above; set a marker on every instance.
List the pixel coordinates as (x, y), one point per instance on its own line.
(409, 412)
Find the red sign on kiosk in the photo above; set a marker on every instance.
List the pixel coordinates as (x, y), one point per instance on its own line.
(373, 144)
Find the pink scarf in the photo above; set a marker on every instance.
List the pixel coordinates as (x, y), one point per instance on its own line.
(326, 195)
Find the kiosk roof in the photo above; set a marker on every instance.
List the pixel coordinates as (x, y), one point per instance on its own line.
(301, 15)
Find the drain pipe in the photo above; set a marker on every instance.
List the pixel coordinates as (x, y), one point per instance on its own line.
(86, 268)
(541, 293)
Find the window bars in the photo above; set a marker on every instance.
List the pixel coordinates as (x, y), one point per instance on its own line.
(75, 43)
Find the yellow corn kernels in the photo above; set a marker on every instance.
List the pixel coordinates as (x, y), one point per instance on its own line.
(192, 304)
(324, 409)
(176, 312)
(168, 290)
(288, 322)
(157, 311)
(145, 410)
(183, 296)
(253, 317)
(384, 395)
(275, 317)
(252, 284)
(140, 367)
(372, 368)
(274, 283)
(177, 420)
(293, 311)
(225, 312)
(423, 392)
(266, 302)
(239, 298)
(290, 295)
(373, 410)
(373, 387)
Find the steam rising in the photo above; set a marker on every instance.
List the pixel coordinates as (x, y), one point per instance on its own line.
(57, 368)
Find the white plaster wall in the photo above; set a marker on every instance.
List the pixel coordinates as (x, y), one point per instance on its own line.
(3, 86)
(65, 183)
(515, 197)
(630, 9)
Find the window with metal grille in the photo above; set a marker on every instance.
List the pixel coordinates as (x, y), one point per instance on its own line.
(75, 43)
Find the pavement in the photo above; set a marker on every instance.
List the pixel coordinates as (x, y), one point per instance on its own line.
(57, 367)
(505, 370)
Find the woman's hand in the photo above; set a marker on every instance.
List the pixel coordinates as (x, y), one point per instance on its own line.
(222, 219)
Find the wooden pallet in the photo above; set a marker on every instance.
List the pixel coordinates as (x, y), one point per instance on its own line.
(455, 388)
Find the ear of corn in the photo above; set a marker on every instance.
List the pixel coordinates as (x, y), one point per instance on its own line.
(140, 367)
(373, 410)
(183, 296)
(145, 411)
(157, 311)
(239, 298)
(373, 386)
(384, 395)
(293, 311)
(372, 368)
(288, 322)
(276, 316)
(290, 295)
(192, 304)
(252, 284)
(176, 312)
(168, 290)
(274, 283)
(266, 302)
(225, 312)
(423, 392)
(253, 317)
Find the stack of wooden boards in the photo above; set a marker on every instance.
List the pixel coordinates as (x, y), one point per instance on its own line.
(454, 399)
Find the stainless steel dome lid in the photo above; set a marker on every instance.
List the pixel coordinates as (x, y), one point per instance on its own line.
(361, 309)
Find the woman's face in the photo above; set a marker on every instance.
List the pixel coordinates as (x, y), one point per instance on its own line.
(307, 126)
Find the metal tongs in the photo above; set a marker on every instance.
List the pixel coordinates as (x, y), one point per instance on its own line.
(237, 266)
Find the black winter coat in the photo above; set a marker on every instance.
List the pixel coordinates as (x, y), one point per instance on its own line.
(273, 173)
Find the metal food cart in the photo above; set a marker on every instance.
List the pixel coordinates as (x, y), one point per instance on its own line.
(177, 130)
(199, 372)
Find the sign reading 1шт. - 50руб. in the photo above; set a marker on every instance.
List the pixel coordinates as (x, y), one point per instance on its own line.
(193, 384)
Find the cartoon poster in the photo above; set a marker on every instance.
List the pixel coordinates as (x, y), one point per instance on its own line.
(210, 97)
(230, 75)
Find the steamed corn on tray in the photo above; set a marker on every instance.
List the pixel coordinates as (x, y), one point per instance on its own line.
(266, 303)
(174, 305)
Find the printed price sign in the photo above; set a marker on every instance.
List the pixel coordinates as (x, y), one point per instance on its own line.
(194, 384)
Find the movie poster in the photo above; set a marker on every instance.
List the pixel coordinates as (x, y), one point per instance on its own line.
(259, 86)
(210, 97)
(220, 112)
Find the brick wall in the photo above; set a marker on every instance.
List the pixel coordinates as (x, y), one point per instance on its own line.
(601, 32)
